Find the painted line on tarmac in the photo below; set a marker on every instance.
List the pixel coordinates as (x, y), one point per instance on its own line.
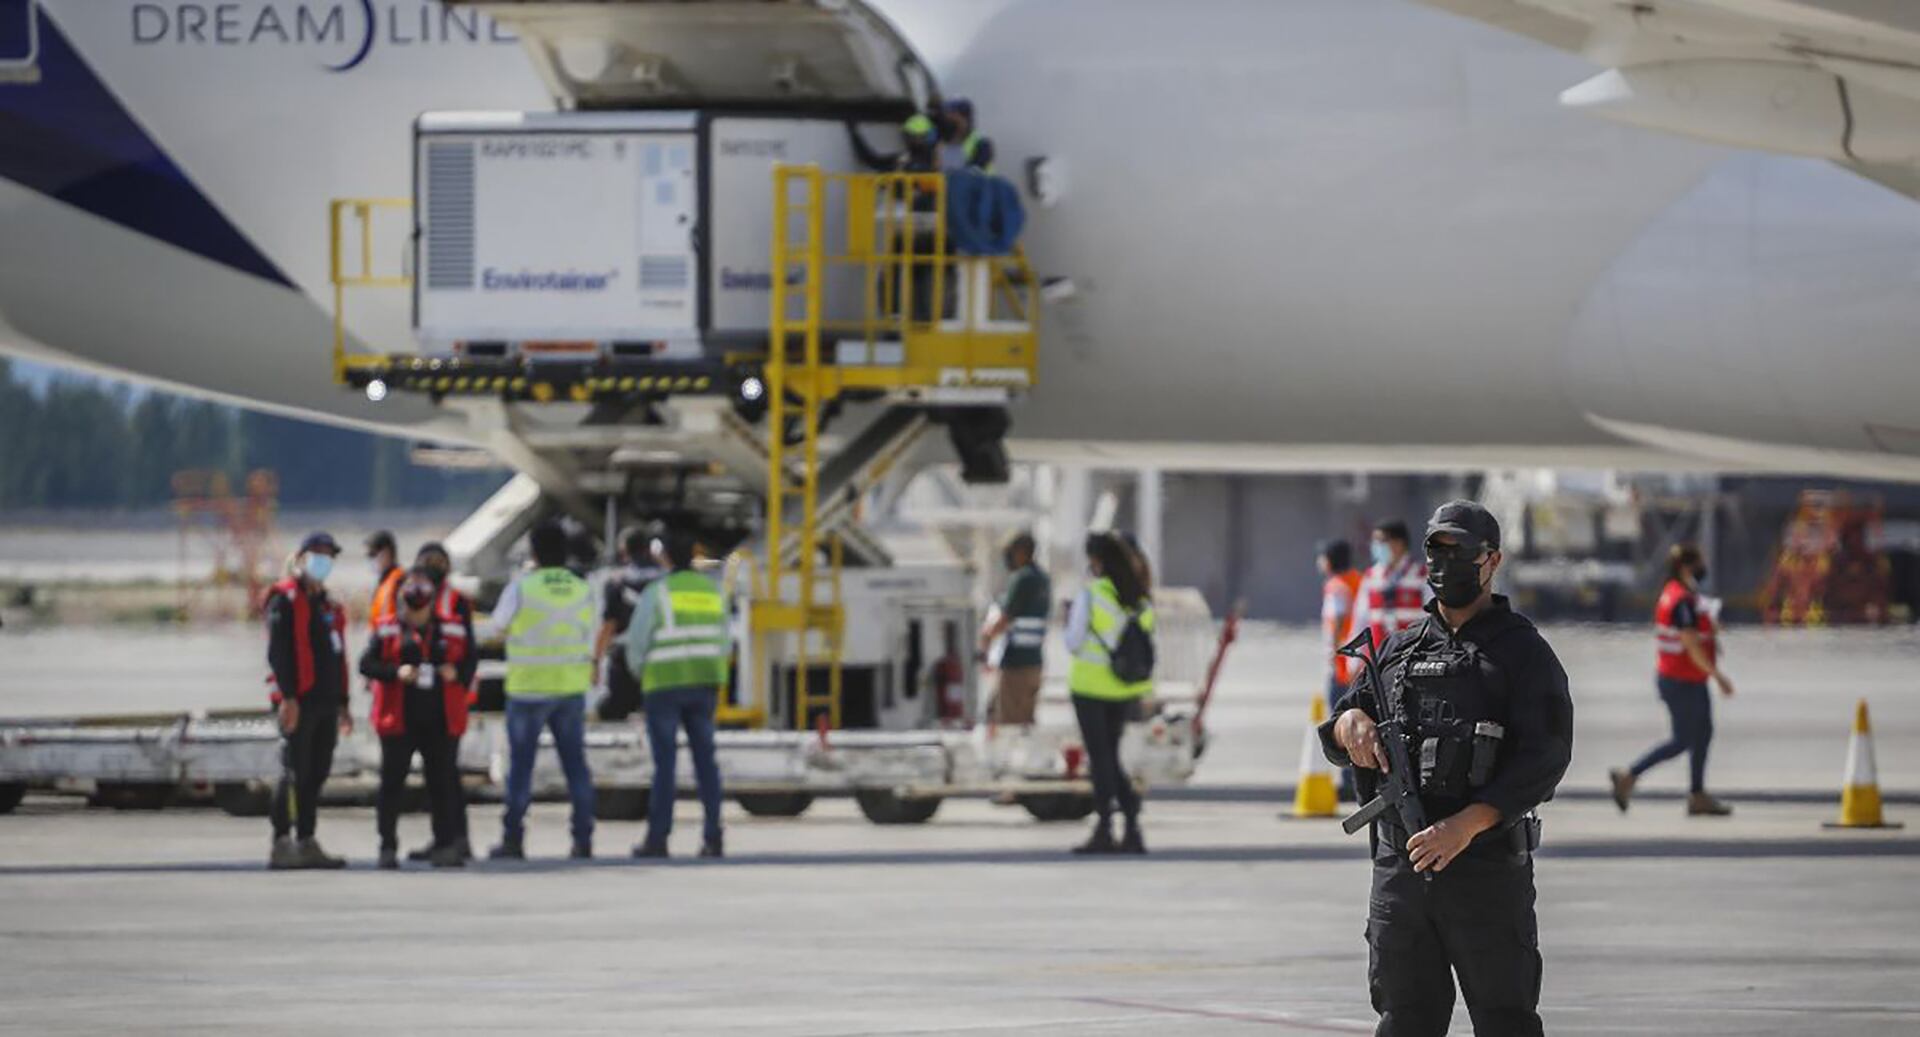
(1835, 846)
(1283, 794)
(1293, 1022)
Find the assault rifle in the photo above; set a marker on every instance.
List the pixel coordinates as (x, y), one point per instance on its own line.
(1400, 786)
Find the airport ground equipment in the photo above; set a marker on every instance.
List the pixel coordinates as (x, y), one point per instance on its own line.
(681, 296)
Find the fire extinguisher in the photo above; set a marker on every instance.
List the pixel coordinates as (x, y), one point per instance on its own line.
(950, 682)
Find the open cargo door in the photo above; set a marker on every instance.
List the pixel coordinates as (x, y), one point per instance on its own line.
(693, 53)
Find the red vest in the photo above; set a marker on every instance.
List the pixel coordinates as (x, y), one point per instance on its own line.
(1675, 663)
(390, 697)
(303, 639)
(1396, 597)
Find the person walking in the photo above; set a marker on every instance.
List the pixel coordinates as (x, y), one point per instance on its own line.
(547, 615)
(1488, 731)
(1103, 702)
(419, 708)
(1688, 658)
(307, 664)
(680, 649)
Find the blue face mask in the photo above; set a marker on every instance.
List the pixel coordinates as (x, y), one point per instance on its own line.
(319, 567)
(1382, 554)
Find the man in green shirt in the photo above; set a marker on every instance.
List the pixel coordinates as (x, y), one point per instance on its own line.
(1022, 619)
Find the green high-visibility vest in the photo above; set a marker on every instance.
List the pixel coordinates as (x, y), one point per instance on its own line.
(689, 646)
(1092, 671)
(550, 641)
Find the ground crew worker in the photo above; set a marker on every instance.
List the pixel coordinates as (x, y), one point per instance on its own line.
(1688, 658)
(1394, 590)
(679, 647)
(454, 611)
(1338, 592)
(919, 148)
(383, 552)
(307, 661)
(962, 147)
(1102, 702)
(619, 595)
(419, 707)
(1490, 733)
(1021, 617)
(547, 614)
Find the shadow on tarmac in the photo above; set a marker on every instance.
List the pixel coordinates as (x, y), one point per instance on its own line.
(1623, 849)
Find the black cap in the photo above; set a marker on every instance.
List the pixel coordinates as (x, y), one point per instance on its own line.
(382, 541)
(321, 542)
(1466, 520)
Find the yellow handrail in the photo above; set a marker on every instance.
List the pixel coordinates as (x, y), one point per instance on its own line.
(362, 210)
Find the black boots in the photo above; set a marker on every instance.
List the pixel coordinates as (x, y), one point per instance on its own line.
(1102, 841)
(389, 857)
(713, 848)
(510, 849)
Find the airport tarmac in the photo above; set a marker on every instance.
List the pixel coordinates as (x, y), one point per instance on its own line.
(979, 922)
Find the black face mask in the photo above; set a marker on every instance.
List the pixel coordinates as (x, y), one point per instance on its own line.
(1699, 574)
(1455, 580)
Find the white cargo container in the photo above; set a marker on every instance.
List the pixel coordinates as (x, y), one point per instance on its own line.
(556, 227)
(609, 227)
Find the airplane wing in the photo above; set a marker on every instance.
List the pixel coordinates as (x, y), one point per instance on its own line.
(1833, 79)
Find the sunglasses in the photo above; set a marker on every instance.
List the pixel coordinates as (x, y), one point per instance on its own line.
(1460, 551)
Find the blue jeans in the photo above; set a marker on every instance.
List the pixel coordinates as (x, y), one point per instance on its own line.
(669, 710)
(1691, 709)
(566, 717)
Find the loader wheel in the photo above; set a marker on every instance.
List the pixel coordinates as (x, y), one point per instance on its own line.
(244, 798)
(620, 804)
(775, 804)
(883, 807)
(131, 795)
(10, 796)
(1057, 806)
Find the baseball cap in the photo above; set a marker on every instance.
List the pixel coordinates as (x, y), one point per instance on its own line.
(1467, 521)
(321, 542)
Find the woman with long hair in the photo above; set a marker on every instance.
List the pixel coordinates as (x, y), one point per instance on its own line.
(1102, 701)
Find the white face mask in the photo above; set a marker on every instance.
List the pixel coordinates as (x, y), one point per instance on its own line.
(318, 567)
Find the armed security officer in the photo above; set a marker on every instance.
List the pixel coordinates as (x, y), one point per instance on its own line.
(1491, 732)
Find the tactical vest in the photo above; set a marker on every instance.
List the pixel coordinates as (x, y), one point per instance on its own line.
(550, 641)
(1457, 700)
(690, 647)
(1092, 671)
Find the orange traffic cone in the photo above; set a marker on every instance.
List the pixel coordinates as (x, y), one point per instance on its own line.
(1314, 795)
(1860, 798)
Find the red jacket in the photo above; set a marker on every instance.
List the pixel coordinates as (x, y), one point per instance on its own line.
(1676, 601)
(304, 669)
(442, 642)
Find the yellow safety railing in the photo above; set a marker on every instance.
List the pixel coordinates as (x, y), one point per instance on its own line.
(924, 318)
(360, 211)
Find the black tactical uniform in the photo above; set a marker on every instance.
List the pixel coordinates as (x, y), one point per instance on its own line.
(1475, 919)
(619, 596)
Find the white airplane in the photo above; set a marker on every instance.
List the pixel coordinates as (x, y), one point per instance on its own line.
(1304, 233)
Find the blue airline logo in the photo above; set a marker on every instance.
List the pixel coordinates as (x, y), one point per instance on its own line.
(342, 33)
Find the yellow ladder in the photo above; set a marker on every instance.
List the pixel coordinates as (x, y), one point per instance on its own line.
(774, 613)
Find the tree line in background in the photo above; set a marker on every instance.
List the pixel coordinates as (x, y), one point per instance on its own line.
(82, 443)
